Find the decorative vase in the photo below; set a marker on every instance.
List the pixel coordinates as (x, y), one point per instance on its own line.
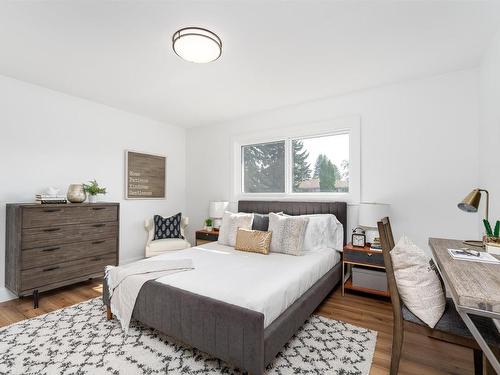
(208, 228)
(76, 193)
(92, 198)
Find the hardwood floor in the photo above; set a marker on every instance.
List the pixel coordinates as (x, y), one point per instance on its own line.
(20, 309)
(421, 355)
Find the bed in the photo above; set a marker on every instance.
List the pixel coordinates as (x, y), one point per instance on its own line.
(243, 322)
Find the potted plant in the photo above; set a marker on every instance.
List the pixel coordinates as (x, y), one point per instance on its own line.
(209, 224)
(92, 189)
(492, 240)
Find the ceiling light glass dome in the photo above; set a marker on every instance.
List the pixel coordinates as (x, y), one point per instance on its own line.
(197, 45)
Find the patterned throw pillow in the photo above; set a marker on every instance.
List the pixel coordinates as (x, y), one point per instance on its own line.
(230, 224)
(288, 233)
(255, 241)
(419, 284)
(169, 227)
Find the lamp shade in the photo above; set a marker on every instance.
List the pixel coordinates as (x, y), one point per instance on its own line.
(216, 209)
(471, 202)
(371, 213)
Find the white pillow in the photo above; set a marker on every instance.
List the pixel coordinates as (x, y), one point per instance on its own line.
(230, 224)
(323, 231)
(418, 282)
(288, 233)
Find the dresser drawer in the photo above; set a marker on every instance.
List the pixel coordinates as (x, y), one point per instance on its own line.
(376, 259)
(44, 256)
(57, 235)
(34, 217)
(55, 273)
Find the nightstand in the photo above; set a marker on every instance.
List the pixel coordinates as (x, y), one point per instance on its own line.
(204, 236)
(365, 259)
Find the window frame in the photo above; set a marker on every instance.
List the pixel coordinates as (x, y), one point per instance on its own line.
(347, 125)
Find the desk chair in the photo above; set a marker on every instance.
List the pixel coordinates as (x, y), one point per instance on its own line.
(450, 327)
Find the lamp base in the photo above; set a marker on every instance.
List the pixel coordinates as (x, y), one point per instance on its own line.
(474, 243)
(217, 223)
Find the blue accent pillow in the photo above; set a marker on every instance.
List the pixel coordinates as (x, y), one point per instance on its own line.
(169, 227)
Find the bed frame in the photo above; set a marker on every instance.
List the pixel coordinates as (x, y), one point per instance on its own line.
(231, 333)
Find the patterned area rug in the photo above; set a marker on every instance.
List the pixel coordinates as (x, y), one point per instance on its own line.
(79, 340)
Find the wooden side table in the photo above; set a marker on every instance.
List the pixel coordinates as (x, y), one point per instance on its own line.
(361, 256)
(203, 236)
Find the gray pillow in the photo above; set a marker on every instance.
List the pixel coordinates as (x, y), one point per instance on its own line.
(260, 222)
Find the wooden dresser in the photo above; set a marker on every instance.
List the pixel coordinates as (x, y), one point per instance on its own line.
(49, 246)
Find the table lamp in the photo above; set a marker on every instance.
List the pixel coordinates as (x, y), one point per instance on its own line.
(471, 204)
(369, 215)
(216, 211)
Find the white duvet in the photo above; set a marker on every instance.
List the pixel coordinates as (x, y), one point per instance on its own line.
(264, 283)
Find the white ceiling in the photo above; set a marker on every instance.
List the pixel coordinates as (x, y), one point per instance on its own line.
(275, 53)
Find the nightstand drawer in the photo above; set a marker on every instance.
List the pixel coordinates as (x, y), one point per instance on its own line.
(205, 236)
(363, 257)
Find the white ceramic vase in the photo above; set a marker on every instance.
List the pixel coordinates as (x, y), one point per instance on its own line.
(93, 198)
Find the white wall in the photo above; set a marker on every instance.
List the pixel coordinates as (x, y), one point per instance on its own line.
(52, 139)
(489, 139)
(419, 151)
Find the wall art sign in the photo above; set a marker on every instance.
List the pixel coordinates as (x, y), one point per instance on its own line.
(145, 176)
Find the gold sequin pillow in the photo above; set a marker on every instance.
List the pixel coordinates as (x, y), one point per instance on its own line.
(255, 241)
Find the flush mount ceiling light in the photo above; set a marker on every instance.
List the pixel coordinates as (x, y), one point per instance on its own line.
(197, 45)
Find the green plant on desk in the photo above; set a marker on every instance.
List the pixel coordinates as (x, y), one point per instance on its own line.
(490, 233)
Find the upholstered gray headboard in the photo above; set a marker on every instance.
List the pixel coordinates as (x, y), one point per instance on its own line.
(339, 209)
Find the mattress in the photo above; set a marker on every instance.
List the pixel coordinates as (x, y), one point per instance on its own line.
(268, 284)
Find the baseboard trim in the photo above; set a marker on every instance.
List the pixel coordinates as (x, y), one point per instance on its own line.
(6, 295)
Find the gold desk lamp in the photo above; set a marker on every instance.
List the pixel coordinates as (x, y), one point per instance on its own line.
(471, 204)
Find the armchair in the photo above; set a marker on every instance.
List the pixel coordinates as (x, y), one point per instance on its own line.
(157, 247)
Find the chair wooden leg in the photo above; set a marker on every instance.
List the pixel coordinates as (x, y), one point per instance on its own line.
(397, 347)
(488, 368)
(478, 362)
(109, 314)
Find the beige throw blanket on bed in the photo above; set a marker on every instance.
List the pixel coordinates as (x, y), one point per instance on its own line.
(125, 282)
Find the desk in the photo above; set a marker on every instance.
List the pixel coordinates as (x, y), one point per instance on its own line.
(474, 287)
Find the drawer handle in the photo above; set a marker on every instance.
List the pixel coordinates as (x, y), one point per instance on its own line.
(52, 230)
(98, 208)
(50, 269)
(53, 210)
(97, 259)
(370, 254)
(98, 242)
(51, 249)
(99, 225)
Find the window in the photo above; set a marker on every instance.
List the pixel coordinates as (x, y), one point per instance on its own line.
(264, 167)
(321, 164)
(318, 164)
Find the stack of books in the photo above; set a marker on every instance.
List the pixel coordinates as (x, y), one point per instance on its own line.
(50, 199)
(473, 256)
(376, 245)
